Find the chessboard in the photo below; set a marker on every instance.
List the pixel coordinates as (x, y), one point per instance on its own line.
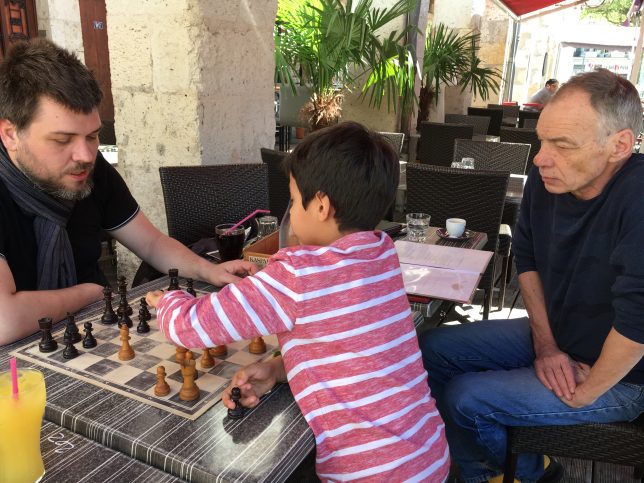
(136, 378)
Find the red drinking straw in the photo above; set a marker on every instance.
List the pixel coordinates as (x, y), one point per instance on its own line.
(14, 377)
(245, 219)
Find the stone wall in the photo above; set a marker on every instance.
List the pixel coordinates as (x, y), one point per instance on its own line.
(59, 21)
(192, 84)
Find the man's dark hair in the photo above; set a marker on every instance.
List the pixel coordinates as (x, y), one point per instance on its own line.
(549, 82)
(356, 168)
(40, 68)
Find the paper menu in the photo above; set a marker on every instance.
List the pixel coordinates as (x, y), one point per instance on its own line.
(441, 272)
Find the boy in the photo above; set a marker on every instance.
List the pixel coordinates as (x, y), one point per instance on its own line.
(338, 305)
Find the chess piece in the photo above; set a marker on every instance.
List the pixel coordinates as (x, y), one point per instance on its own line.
(109, 316)
(162, 388)
(47, 342)
(89, 340)
(219, 351)
(189, 390)
(180, 354)
(173, 273)
(143, 309)
(238, 412)
(190, 287)
(126, 353)
(124, 306)
(71, 330)
(206, 359)
(70, 351)
(257, 345)
(124, 319)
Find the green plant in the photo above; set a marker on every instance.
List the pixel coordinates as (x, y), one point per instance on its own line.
(332, 47)
(451, 59)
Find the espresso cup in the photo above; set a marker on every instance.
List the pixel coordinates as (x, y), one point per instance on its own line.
(455, 227)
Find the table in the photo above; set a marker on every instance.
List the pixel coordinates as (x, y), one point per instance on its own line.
(266, 445)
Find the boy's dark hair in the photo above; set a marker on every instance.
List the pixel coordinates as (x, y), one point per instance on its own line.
(549, 82)
(40, 68)
(356, 168)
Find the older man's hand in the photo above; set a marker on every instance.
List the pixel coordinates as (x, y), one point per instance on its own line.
(555, 371)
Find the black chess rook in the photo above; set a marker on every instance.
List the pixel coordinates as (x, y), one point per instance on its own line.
(173, 273)
(47, 342)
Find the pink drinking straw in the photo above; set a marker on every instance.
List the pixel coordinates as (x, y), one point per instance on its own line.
(14, 377)
(245, 219)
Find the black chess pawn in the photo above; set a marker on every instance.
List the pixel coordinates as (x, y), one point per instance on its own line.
(71, 330)
(173, 273)
(89, 340)
(123, 304)
(47, 342)
(143, 326)
(109, 316)
(70, 351)
(143, 310)
(238, 412)
(190, 287)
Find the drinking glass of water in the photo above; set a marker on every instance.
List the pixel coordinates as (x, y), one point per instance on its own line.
(417, 227)
(467, 163)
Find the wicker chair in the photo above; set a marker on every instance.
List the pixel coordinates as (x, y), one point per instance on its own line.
(510, 157)
(437, 141)
(523, 115)
(197, 198)
(617, 443)
(523, 135)
(278, 192)
(510, 113)
(396, 138)
(477, 196)
(480, 123)
(498, 157)
(530, 123)
(495, 115)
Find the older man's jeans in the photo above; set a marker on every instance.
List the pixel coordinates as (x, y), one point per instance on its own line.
(482, 378)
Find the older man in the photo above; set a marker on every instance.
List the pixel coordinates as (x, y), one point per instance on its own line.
(58, 195)
(578, 356)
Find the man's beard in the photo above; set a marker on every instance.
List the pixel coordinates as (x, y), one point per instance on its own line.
(53, 188)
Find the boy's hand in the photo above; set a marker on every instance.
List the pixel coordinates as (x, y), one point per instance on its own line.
(152, 298)
(254, 381)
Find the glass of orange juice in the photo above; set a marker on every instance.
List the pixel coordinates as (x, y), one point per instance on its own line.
(20, 422)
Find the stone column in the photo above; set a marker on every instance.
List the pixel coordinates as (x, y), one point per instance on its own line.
(192, 82)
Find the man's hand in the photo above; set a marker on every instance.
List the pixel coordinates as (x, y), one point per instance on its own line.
(555, 371)
(254, 381)
(230, 272)
(580, 398)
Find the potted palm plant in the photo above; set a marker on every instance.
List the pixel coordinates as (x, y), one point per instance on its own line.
(450, 59)
(333, 47)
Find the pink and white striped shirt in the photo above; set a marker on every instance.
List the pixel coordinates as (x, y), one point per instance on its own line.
(349, 348)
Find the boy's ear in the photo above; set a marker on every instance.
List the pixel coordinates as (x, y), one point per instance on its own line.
(323, 206)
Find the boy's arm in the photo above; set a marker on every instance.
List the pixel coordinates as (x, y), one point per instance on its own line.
(254, 381)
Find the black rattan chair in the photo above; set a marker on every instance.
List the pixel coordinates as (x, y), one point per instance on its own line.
(495, 115)
(510, 157)
(480, 123)
(278, 192)
(510, 113)
(530, 123)
(477, 196)
(523, 135)
(437, 141)
(616, 443)
(197, 198)
(396, 139)
(523, 115)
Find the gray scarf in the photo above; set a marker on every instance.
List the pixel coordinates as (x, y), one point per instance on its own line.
(55, 260)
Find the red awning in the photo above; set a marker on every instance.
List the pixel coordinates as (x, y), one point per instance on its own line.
(521, 7)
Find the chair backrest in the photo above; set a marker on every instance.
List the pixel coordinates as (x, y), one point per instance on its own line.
(396, 138)
(480, 123)
(523, 135)
(278, 192)
(475, 195)
(197, 198)
(523, 115)
(530, 123)
(437, 141)
(495, 115)
(510, 157)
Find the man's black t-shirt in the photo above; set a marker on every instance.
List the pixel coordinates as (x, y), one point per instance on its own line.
(109, 206)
